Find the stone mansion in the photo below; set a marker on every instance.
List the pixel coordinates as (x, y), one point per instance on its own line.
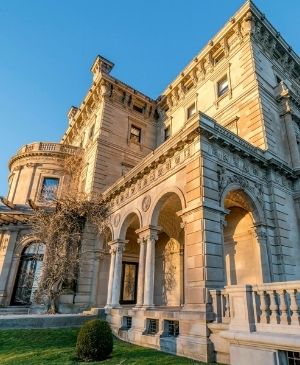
(201, 253)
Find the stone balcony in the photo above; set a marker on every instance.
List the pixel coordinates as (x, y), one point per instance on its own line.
(44, 148)
(48, 147)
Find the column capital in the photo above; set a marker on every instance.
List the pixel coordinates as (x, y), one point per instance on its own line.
(117, 245)
(148, 232)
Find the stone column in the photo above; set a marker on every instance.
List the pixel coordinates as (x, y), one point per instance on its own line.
(289, 126)
(292, 141)
(111, 274)
(150, 269)
(7, 247)
(141, 274)
(116, 288)
(260, 234)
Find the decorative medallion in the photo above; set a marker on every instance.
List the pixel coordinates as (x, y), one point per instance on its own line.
(117, 219)
(146, 203)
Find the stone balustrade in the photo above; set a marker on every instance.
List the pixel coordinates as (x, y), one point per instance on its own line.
(266, 307)
(48, 147)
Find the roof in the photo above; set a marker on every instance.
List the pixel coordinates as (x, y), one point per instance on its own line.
(14, 214)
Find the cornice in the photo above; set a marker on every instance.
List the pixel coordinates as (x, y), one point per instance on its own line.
(212, 130)
(104, 88)
(249, 22)
(203, 64)
(178, 150)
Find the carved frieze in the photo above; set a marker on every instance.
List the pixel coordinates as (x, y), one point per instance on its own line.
(150, 175)
(227, 177)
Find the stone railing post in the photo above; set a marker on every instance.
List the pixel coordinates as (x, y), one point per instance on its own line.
(241, 308)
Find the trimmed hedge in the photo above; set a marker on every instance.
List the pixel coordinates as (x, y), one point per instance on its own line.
(94, 341)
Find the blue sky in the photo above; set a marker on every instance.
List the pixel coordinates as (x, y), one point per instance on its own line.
(47, 48)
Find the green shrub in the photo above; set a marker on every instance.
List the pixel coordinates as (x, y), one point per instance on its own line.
(94, 341)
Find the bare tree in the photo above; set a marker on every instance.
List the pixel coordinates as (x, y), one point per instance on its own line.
(59, 224)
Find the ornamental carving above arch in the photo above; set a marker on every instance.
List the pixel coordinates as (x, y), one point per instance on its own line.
(226, 177)
(146, 203)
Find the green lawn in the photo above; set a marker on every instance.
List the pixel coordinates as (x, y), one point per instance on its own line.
(57, 346)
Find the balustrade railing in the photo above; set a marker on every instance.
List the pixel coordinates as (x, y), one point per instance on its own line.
(48, 147)
(277, 303)
(271, 306)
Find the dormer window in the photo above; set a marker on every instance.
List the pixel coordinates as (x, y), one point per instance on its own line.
(222, 86)
(135, 134)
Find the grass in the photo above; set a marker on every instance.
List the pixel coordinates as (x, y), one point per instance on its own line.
(57, 347)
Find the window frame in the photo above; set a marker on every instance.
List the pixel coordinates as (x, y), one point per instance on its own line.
(166, 137)
(40, 194)
(132, 140)
(225, 91)
(188, 115)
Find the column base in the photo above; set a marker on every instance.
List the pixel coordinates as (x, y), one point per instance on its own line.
(146, 307)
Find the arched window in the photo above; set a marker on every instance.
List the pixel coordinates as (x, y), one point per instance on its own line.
(28, 274)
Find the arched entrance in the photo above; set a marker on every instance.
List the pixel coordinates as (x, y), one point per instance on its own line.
(130, 260)
(168, 277)
(241, 248)
(101, 268)
(28, 274)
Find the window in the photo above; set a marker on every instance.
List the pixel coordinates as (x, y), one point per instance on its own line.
(219, 57)
(167, 133)
(135, 134)
(191, 110)
(49, 188)
(127, 323)
(138, 108)
(293, 358)
(152, 326)
(222, 86)
(172, 328)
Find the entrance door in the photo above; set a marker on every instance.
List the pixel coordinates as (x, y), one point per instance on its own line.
(129, 283)
(28, 274)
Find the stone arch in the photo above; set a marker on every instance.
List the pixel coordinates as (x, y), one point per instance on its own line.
(168, 289)
(28, 272)
(127, 221)
(245, 253)
(104, 237)
(23, 242)
(161, 199)
(101, 266)
(249, 200)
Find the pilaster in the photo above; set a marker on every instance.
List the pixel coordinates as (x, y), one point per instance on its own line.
(7, 247)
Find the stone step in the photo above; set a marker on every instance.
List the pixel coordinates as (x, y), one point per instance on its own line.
(43, 320)
(14, 310)
(99, 312)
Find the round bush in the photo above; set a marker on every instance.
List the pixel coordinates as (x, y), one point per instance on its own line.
(94, 341)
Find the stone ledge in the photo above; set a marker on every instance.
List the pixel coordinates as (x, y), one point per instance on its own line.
(44, 321)
(269, 340)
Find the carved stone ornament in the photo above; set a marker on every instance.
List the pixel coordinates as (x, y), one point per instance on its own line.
(146, 203)
(117, 219)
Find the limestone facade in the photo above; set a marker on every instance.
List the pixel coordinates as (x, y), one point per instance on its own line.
(201, 252)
